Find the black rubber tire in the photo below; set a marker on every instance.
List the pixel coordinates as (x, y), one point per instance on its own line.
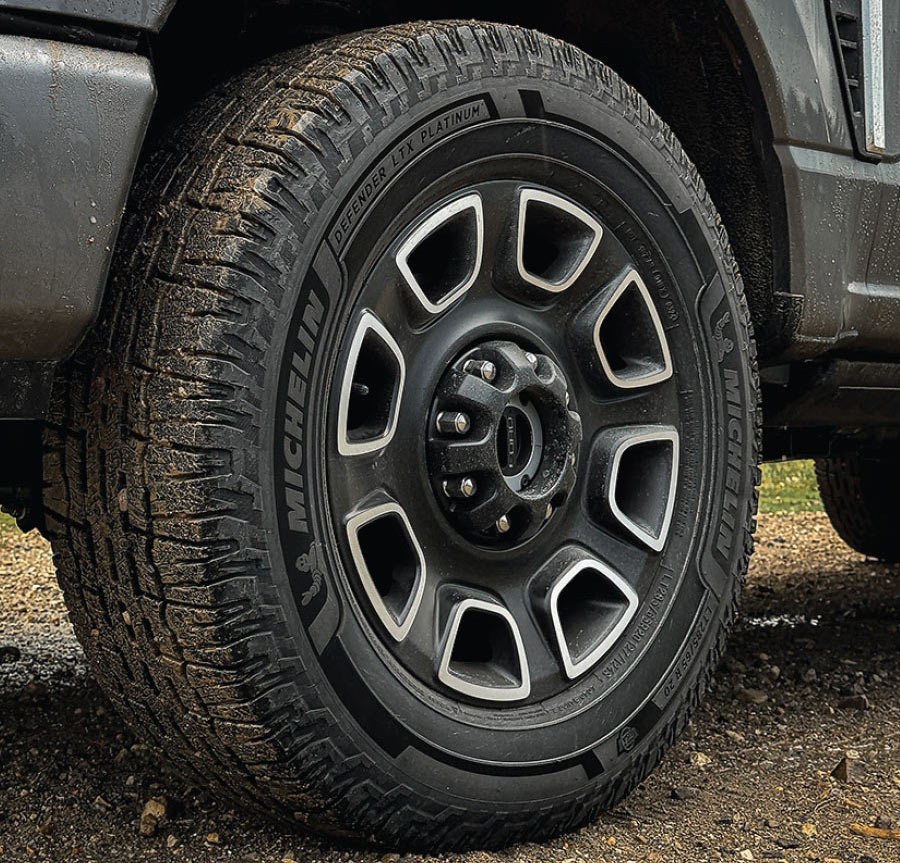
(859, 495)
(159, 481)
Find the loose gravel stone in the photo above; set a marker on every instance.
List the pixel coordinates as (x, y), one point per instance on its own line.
(9, 653)
(154, 811)
(842, 771)
(751, 696)
(684, 792)
(854, 702)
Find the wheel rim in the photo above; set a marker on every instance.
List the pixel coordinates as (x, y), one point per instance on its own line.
(495, 280)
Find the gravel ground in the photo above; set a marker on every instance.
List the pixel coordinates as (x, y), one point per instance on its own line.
(812, 677)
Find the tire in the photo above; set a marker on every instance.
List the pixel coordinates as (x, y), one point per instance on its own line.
(296, 560)
(858, 495)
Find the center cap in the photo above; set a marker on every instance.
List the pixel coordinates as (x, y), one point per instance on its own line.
(502, 442)
(520, 443)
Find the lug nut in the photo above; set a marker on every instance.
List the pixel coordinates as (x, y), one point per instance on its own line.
(452, 422)
(503, 524)
(532, 359)
(464, 487)
(482, 368)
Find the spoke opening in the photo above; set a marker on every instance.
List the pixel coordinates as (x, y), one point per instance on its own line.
(590, 606)
(390, 565)
(483, 655)
(629, 337)
(642, 481)
(371, 389)
(555, 241)
(441, 259)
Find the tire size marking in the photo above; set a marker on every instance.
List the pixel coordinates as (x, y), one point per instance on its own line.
(397, 157)
(685, 661)
(654, 606)
(685, 514)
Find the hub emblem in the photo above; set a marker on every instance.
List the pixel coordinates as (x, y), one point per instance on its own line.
(514, 441)
(520, 443)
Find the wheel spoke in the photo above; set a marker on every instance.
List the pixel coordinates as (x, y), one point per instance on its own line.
(648, 406)
(633, 477)
(620, 334)
(441, 258)
(371, 390)
(481, 653)
(585, 605)
(390, 564)
(629, 338)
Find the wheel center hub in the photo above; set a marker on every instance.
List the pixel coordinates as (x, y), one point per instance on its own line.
(502, 442)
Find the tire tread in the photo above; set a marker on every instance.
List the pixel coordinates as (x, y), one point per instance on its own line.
(859, 495)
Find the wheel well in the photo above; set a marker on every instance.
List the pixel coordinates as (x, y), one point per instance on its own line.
(687, 59)
(20, 471)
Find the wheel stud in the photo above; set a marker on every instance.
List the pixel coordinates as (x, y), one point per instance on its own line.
(531, 359)
(452, 422)
(549, 511)
(482, 368)
(465, 487)
(503, 524)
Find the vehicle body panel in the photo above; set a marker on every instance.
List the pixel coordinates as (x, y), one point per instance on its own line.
(72, 119)
(843, 249)
(140, 14)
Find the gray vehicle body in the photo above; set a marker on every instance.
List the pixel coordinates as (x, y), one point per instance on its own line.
(807, 82)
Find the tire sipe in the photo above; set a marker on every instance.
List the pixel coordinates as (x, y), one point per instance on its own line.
(406, 485)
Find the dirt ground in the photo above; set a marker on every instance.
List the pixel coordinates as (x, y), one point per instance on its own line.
(812, 677)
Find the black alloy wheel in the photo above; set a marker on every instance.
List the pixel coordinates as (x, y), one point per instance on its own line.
(505, 431)
(408, 484)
